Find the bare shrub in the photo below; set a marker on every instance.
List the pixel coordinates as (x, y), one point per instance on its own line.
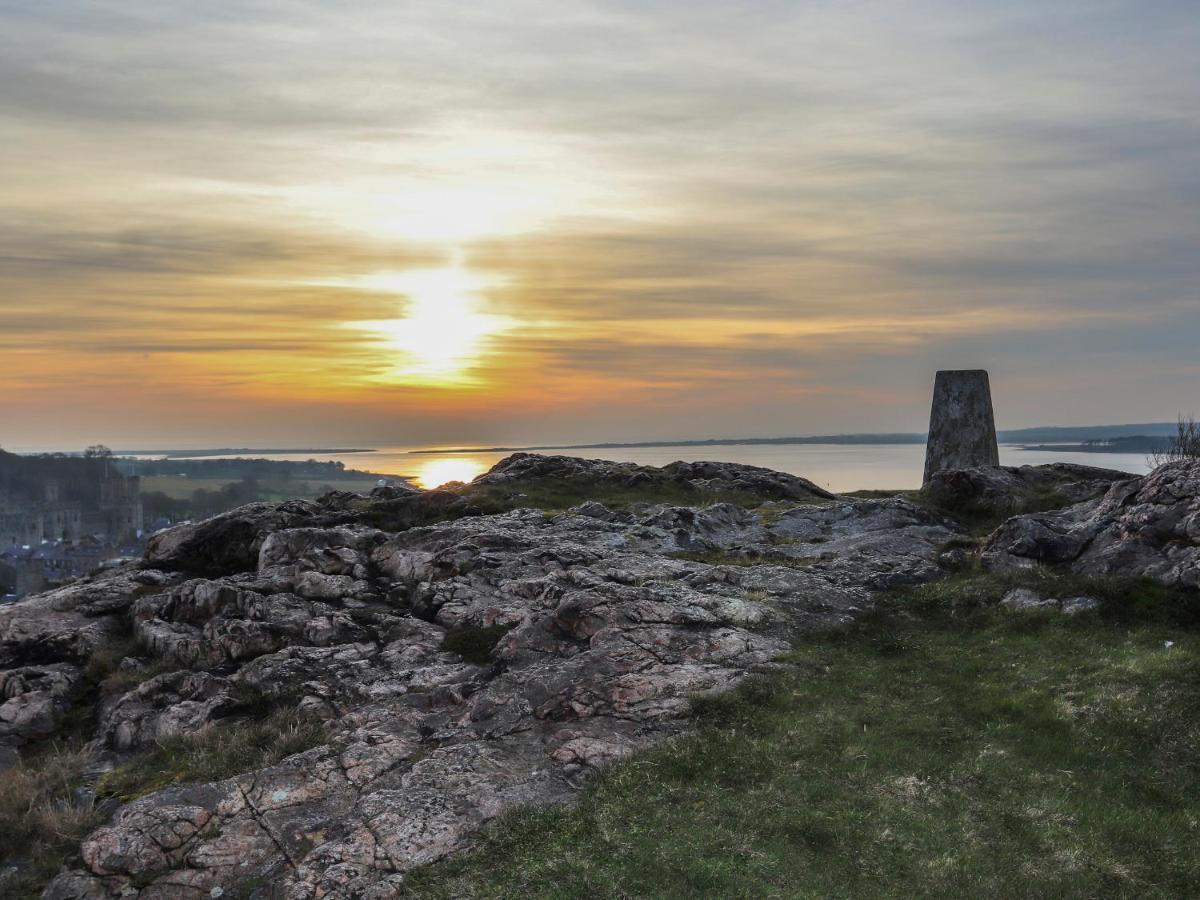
(1184, 444)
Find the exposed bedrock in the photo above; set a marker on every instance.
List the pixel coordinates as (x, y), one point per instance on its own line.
(597, 626)
(713, 476)
(1148, 526)
(469, 666)
(1007, 490)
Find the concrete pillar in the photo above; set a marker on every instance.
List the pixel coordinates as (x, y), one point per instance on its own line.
(962, 429)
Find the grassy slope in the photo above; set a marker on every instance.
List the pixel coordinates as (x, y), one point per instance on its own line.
(943, 749)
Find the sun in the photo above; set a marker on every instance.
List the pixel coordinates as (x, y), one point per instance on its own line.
(444, 330)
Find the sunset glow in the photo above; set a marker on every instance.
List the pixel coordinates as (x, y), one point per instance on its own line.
(472, 224)
(444, 331)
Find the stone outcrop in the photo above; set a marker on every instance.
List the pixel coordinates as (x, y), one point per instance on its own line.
(464, 664)
(699, 476)
(68, 624)
(1148, 526)
(509, 483)
(962, 428)
(462, 668)
(226, 543)
(1024, 600)
(1008, 490)
(33, 700)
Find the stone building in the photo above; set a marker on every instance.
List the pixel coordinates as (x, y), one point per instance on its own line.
(111, 510)
(60, 517)
(23, 521)
(118, 514)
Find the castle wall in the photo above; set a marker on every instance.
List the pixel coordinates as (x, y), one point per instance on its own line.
(117, 517)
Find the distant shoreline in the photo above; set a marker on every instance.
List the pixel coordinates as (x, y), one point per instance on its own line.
(226, 451)
(1123, 438)
(710, 442)
(1024, 437)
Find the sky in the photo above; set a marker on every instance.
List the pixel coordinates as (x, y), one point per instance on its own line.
(313, 223)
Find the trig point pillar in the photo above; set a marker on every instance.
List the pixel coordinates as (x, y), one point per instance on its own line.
(962, 429)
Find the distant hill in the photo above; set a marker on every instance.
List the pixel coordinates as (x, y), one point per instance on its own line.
(1079, 434)
(238, 451)
(1075, 434)
(1138, 443)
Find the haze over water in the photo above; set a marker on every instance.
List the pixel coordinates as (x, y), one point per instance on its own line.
(836, 467)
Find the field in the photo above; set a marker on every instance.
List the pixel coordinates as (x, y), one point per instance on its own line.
(945, 748)
(182, 487)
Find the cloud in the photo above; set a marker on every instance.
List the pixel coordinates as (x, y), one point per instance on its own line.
(680, 199)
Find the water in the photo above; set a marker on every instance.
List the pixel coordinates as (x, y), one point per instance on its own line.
(836, 467)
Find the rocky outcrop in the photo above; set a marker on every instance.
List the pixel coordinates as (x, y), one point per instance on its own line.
(165, 706)
(1148, 526)
(33, 701)
(1024, 600)
(464, 664)
(226, 543)
(462, 667)
(68, 624)
(1008, 490)
(764, 484)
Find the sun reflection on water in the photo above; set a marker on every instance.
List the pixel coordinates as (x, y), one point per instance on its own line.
(436, 472)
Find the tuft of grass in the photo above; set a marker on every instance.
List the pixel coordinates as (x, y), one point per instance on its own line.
(926, 752)
(551, 495)
(1122, 601)
(122, 681)
(475, 643)
(222, 749)
(555, 495)
(982, 519)
(103, 672)
(41, 821)
(731, 558)
(875, 494)
(106, 658)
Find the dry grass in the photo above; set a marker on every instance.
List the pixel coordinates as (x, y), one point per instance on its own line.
(41, 823)
(215, 752)
(1185, 444)
(729, 558)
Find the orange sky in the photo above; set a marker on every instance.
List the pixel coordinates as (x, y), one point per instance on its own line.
(311, 223)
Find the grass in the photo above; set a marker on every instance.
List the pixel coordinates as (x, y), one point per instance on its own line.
(215, 752)
(875, 494)
(106, 658)
(943, 748)
(559, 495)
(103, 668)
(551, 495)
(122, 681)
(40, 822)
(727, 558)
(979, 520)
